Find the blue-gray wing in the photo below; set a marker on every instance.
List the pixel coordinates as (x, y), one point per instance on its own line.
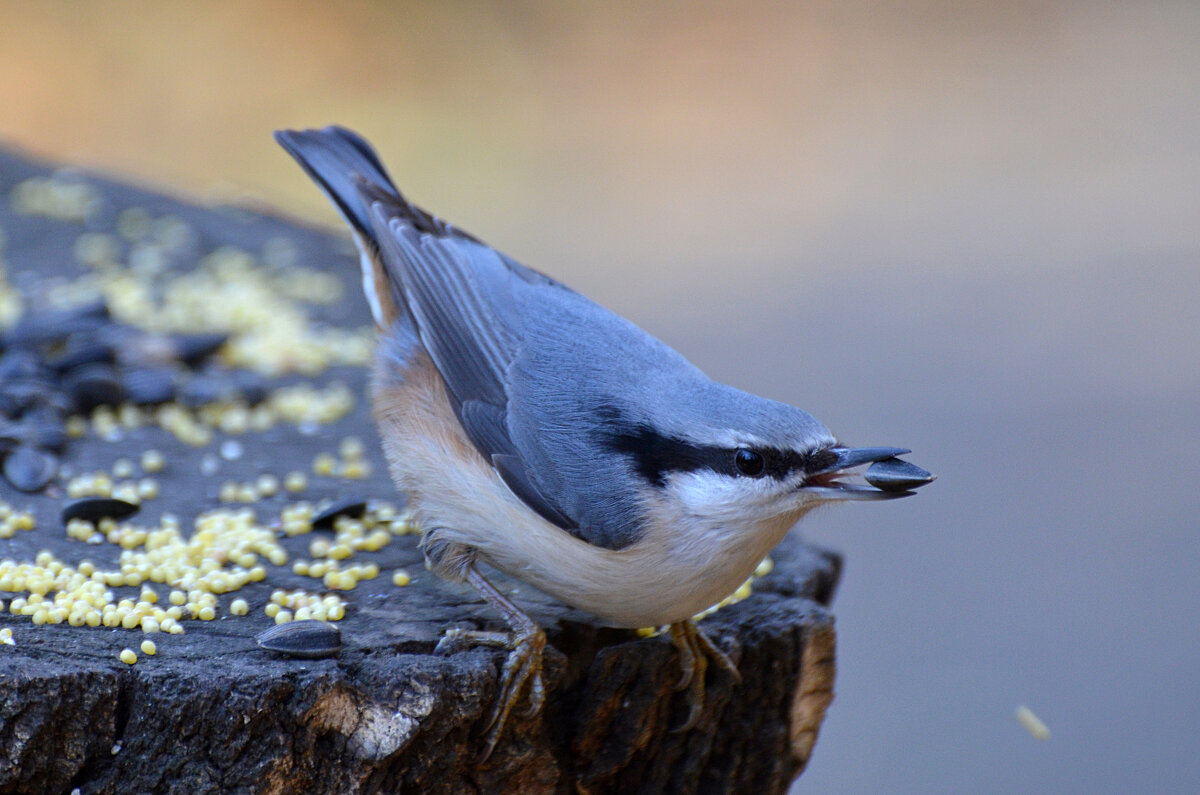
(460, 293)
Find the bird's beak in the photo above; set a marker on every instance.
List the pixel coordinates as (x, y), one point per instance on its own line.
(888, 477)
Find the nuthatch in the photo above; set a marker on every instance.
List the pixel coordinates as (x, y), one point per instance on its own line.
(537, 432)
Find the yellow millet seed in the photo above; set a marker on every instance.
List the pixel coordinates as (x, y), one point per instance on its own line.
(239, 607)
(272, 610)
(283, 616)
(147, 488)
(128, 656)
(324, 464)
(351, 447)
(149, 648)
(295, 481)
(401, 577)
(76, 426)
(266, 485)
(356, 470)
(152, 462)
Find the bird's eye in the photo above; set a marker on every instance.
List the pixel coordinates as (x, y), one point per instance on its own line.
(749, 463)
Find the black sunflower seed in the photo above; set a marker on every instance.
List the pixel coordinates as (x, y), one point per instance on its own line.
(353, 507)
(308, 640)
(93, 509)
(149, 386)
(30, 469)
(94, 385)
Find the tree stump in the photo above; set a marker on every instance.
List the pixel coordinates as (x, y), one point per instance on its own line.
(212, 712)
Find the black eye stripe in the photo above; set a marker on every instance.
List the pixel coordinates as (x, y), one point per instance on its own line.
(656, 455)
(780, 463)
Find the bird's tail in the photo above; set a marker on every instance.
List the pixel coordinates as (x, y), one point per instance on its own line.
(337, 160)
(349, 172)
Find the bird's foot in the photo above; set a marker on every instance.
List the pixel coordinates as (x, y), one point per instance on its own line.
(522, 668)
(695, 649)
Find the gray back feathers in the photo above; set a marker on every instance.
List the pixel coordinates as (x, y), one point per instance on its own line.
(544, 381)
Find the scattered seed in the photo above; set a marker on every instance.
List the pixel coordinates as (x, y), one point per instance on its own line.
(308, 639)
(94, 385)
(93, 509)
(1032, 723)
(266, 485)
(325, 518)
(193, 349)
(149, 386)
(153, 462)
(128, 656)
(209, 464)
(29, 469)
(324, 464)
(351, 447)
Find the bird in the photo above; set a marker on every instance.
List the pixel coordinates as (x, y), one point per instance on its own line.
(536, 432)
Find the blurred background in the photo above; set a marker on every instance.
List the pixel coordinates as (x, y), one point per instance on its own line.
(969, 229)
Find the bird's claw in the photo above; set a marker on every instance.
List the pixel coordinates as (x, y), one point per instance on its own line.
(456, 639)
(523, 665)
(695, 649)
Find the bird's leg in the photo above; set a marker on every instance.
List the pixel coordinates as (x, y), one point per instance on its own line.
(695, 649)
(524, 664)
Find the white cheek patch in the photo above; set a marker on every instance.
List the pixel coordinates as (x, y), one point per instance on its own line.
(707, 494)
